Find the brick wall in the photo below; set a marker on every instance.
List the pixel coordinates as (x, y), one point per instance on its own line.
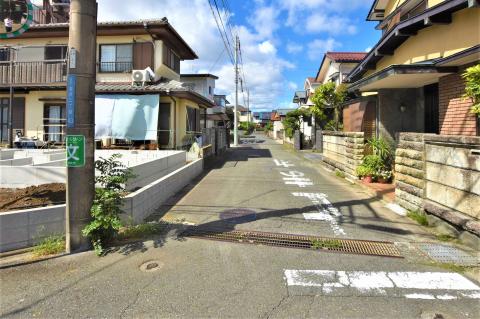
(454, 110)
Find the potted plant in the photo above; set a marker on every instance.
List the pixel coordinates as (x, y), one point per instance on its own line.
(384, 176)
(365, 173)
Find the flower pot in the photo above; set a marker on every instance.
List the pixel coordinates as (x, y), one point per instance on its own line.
(368, 179)
(382, 180)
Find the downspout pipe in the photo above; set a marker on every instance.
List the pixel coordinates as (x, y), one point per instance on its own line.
(174, 119)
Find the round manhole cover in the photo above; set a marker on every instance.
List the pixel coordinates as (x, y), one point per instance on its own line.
(152, 265)
(238, 215)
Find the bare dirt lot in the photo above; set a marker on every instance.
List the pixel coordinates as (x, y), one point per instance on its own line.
(31, 197)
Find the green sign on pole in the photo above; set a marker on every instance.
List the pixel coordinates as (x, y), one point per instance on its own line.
(75, 150)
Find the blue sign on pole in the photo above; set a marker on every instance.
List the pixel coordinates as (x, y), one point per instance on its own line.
(71, 95)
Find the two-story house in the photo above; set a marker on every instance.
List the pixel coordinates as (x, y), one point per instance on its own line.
(204, 84)
(412, 77)
(159, 110)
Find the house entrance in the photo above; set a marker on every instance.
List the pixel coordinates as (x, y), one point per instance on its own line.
(431, 108)
(164, 134)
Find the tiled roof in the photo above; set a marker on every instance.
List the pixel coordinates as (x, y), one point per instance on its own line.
(346, 56)
(163, 86)
(163, 21)
(170, 86)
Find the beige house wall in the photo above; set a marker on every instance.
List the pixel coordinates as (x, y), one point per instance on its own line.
(34, 110)
(437, 41)
(36, 54)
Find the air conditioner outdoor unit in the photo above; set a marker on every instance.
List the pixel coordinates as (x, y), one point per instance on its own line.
(142, 76)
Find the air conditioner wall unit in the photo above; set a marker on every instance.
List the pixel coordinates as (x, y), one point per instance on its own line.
(140, 76)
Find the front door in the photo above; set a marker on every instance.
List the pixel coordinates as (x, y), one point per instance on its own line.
(431, 108)
(165, 136)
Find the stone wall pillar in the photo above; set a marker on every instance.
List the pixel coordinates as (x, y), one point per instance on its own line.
(410, 171)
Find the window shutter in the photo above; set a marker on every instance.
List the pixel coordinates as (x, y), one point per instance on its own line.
(143, 56)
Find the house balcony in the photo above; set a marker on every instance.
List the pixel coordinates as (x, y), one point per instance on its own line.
(33, 73)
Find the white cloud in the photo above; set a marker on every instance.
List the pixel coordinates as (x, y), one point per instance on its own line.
(264, 20)
(298, 9)
(333, 24)
(262, 67)
(294, 48)
(267, 48)
(292, 85)
(368, 49)
(318, 47)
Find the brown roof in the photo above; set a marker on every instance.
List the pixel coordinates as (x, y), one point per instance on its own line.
(157, 28)
(346, 56)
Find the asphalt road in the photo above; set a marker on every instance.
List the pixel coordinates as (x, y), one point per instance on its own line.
(195, 278)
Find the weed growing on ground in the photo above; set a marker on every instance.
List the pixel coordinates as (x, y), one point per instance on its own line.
(340, 174)
(50, 246)
(106, 208)
(444, 237)
(326, 243)
(140, 231)
(418, 216)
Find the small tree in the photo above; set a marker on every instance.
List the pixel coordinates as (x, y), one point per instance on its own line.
(472, 87)
(292, 122)
(327, 96)
(106, 204)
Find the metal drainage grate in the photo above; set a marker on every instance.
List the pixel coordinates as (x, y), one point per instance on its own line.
(349, 246)
(447, 254)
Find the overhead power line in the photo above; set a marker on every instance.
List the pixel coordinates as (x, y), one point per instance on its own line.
(223, 35)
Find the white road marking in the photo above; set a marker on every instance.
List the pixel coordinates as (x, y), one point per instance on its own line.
(419, 285)
(325, 210)
(432, 280)
(282, 163)
(296, 178)
(419, 296)
(397, 209)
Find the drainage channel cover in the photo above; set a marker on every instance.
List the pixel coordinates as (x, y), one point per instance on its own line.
(349, 246)
(447, 254)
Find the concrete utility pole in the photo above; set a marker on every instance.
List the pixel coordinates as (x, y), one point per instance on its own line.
(235, 121)
(82, 43)
(248, 107)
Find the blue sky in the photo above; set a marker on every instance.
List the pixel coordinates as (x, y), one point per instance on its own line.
(283, 41)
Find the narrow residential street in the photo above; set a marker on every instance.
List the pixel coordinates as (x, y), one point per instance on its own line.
(261, 186)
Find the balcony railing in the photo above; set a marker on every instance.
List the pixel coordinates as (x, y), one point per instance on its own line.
(115, 67)
(33, 73)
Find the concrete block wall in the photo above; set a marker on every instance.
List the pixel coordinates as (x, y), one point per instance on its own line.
(25, 228)
(440, 174)
(146, 173)
(24, 176)
(17, 161)
(142, 203)
(343, 150)
(454, 110)
(7, 154)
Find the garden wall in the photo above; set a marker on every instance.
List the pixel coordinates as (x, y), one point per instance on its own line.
(343, 150)
(24, 228)
(441, 175)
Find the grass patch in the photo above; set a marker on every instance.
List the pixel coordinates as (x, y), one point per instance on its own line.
(326, 243)
(340, 174)
(51, 245)
(419, 217)
(140, 231)
(443, 237)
